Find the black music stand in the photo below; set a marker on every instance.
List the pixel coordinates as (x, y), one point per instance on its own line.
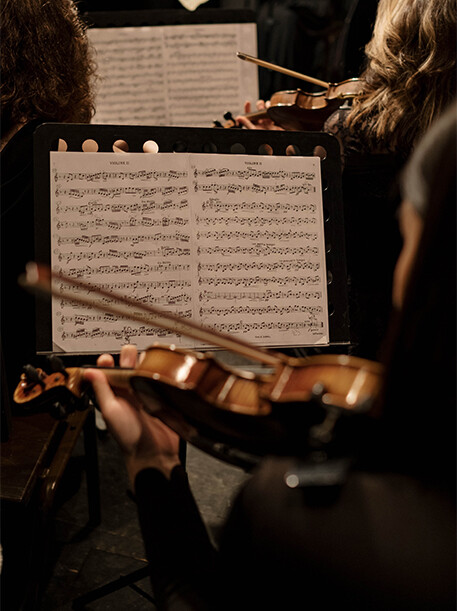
(195, 140)
(201, 140)
(146, 17)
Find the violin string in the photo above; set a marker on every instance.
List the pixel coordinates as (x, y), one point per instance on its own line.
(42, 277)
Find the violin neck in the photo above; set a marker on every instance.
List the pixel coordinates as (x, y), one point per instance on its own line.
(118, 378)
(256, 116)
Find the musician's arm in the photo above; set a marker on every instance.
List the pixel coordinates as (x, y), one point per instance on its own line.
(266, 123)
(181, 556)
(144, 440)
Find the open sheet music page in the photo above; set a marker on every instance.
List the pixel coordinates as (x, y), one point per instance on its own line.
(185, 75)
(234, 242)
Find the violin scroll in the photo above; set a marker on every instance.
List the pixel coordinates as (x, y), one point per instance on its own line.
(60, 390)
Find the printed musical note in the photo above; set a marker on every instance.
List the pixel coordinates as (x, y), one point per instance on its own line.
(280, 236)
(258, 250)
(259, 295)
(233, 187)
(249, 173)
(217, 205)
(275, 266)
(260, 280)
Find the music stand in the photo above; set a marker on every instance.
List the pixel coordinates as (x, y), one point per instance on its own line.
(202, 140)
(151, 17)
(172, 67)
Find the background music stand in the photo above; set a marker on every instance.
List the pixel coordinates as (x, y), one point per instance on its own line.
(201, 140)
(169, 18)
(119, 19)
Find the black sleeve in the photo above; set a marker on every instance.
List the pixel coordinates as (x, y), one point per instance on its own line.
(181, 557)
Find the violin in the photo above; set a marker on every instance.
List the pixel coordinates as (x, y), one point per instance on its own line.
(299, 110)
(234, 414)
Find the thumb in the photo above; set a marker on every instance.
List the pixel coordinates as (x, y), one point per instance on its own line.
(105, 396)
(245, 122)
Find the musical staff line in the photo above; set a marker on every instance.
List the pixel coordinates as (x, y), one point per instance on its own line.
(271, 267)
(161, 252)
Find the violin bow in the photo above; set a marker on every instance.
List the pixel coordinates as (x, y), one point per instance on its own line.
(41, 278)
(269, 66)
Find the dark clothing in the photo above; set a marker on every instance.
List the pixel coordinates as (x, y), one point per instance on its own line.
(388, 542)
(17, 248)
(373, 242)
(181, 556)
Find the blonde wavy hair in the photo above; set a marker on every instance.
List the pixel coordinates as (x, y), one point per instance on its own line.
(410, 75)
(47, 66)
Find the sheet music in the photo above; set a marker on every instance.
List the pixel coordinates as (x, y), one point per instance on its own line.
(235, 242)
(184, 75)
(191, 5)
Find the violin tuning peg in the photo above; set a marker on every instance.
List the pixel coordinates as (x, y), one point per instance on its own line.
(228, 116)
(217, 123)
(33, 375)
(56, 365)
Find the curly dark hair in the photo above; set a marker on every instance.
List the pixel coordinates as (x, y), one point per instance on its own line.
(410, 76)
(47, 66)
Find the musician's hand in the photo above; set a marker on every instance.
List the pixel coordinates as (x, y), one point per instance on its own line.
(260, 123)
(144, 440)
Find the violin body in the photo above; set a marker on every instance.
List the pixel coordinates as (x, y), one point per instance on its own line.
(298, 110)
(302, 111)
(272, 414)
(235, 415)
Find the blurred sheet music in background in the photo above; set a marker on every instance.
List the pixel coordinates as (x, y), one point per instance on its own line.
(178, 75)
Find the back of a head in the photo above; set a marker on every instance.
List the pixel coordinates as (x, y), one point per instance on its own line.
(410, 73)
(46, 64)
